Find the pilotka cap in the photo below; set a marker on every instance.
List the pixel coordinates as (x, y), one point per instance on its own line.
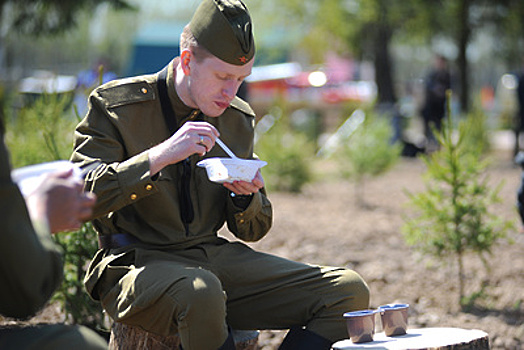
(224, 28)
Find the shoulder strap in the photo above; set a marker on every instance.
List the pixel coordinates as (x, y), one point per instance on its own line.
(186, 206)
(167, 110)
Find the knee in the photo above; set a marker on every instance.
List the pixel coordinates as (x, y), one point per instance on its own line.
(356, 289)
(202, 311)
(202, 290)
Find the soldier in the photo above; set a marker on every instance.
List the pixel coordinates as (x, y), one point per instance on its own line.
(30, 262)
(437, 82)
(519, 123)
(161, 266)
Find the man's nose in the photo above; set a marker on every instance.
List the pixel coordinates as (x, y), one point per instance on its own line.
(230, 89)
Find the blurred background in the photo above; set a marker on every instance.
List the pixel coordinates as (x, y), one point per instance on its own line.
(323, 57)
(352, 74)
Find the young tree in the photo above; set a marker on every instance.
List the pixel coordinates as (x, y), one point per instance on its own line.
(452, 216)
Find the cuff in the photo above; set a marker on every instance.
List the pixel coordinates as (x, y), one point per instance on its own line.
(134, 178)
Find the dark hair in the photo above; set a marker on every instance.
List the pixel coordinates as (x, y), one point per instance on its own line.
(188, 41)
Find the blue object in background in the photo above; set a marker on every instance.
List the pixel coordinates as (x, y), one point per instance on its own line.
(154, 46)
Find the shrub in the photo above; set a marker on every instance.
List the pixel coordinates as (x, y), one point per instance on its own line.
(288, 154)
(367, 151)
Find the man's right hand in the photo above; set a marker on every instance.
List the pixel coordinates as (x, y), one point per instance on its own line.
(61, 202)
(191, 138)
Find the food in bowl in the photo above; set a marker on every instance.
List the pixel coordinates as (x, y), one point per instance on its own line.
(231, 169)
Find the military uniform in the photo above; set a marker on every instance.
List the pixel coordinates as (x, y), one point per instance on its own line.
(174, 274)
(30, 271)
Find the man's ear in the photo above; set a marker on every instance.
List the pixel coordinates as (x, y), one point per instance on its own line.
(185, 59)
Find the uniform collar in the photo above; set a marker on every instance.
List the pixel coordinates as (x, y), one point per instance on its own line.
(183, 112)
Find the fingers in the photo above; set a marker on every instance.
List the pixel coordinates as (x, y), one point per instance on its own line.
(62, 174)
(202, 128)
(206, 142)
(246, 188)
(202, 136)
(258, 181)
(78, 210)
(87, 201)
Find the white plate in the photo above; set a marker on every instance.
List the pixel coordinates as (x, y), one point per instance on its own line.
(28, 178)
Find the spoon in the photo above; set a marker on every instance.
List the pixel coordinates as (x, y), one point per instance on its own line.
(225, 148)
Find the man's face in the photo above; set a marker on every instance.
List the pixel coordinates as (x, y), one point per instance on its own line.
(213, 83)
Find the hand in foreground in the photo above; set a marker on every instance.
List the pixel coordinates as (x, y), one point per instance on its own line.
(61, 202)
(246, 188)
(191, 138)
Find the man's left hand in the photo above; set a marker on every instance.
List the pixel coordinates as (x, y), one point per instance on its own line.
(246, 188)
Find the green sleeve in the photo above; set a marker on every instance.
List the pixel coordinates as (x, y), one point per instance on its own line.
(116, 182)
(253, 223)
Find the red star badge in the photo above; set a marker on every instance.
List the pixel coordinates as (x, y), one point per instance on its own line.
(243, 59)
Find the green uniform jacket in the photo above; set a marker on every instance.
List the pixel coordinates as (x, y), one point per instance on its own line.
(123, 122)
(30, 262)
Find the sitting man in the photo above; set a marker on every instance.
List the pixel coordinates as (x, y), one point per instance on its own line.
(30, 262)
(161, 266)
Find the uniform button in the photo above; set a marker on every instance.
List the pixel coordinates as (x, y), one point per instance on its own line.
(241, 221)
(144, 90)
(149, 187)
(241, 214)
(133, 196)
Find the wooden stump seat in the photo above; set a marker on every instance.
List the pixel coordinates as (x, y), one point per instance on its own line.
(125, 337)
(424, 339)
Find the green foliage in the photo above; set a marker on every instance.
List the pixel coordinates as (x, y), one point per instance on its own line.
(478, 139)
(452, 216)
(46, 17)
(79, 247)
(367, 152)
(42, 132)
(288, 155)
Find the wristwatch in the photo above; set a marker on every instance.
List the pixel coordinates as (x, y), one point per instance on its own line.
(234, 195)
(241, 200)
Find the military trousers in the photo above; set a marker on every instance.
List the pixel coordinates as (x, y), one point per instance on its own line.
(50, 337)
(198, 292)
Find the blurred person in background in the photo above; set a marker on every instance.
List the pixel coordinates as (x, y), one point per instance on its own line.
(519, 160)
(30, 261)
(162, 266)
(519, 123)
(436, 83)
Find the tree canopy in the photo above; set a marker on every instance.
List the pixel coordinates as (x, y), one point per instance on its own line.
(47, 17)
(368, 27)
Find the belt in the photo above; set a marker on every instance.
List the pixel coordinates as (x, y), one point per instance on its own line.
(116, 240)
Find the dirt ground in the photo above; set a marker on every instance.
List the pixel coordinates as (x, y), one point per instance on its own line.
(324, 225)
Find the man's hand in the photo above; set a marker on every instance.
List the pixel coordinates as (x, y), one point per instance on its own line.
(246, 188)
(61, 202)
(191, 138)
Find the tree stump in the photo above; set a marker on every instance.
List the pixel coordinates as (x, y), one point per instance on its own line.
(424, 339)
(125, 337)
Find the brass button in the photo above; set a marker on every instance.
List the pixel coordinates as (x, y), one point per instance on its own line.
(133, 196)
(241, 214)
(144, 90)
(149, 187)
(241, 221)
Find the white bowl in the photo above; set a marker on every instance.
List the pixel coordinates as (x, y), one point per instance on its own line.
(28, 178)
(231, 169)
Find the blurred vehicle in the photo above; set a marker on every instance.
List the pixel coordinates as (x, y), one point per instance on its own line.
(316, 88)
